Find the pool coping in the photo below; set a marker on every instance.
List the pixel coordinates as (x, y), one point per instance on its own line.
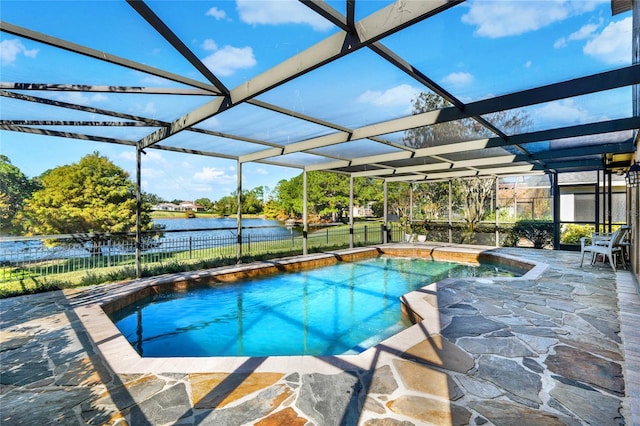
(420, 306)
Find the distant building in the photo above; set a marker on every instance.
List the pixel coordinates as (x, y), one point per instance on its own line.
(182, 207)
(190, 205)
(166, 207)
(363, 211)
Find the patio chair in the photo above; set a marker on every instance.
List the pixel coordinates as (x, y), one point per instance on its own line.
(605, 244)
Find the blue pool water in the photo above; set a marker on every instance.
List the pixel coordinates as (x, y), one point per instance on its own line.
(343, 308)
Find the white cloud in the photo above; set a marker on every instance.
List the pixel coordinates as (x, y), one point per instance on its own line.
(585, 32)
(99, 97)
(153, 80)
(152, 157)
(528, 64)
(216, 13)
(277, 12)
(561, 42)
(149, 109)
(494, 18)
(10, 49)
(209, 44)
(458, 79)
(613, 44)
(79, 98)
(399, 95)
(212, 123)
(213, 175)
(563, 111)
(182, 188)
(155, 157)
(152, 173)
(260, 171)
(128, 155)
(229, 59)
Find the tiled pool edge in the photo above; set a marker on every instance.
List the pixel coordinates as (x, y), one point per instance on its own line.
(123, 359)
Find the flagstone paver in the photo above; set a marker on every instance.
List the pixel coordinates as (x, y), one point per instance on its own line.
(561, 349)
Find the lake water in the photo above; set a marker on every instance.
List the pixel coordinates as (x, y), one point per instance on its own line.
(221, 226)
(32, 249)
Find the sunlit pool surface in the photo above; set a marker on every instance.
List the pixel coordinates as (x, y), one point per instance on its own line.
(338, 309)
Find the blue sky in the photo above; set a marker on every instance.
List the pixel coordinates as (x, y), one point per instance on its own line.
(474, 50)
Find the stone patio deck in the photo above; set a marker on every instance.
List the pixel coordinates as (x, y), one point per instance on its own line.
(563, 348)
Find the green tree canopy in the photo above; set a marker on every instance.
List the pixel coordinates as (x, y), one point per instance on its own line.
(226, 205)
(15, 188)
(327, 196)
(152, 199)
(91, 196)
(206, 203)
(253, 200)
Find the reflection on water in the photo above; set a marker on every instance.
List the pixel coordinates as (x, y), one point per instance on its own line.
(343, 308)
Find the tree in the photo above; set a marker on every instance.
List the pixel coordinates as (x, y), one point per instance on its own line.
(367, 190)
(327, 196)
(458, 130)
(85, 198)
(397, 199)
(15, 188)
(252, 201)
(206, 203)
(431, 200)
(226, 205)
(152, 199)
(474, 193)
(288, 198)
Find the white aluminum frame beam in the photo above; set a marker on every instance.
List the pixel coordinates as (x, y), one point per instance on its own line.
(103, 56)
(551, 134)
(504, 159)
(497, 171)
(383, 23)
(580, 86)
(162, 28)
(53, 87)
(147, 121)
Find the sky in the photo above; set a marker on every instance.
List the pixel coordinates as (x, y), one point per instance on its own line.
(477, 49)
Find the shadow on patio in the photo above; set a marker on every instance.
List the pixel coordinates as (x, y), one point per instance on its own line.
(548, 350)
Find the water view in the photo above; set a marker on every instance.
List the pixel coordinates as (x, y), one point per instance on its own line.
(221, 226)
(221, 229)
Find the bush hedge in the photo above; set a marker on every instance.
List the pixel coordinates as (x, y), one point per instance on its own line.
(539, 233)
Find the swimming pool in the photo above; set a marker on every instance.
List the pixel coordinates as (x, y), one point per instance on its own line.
(338, 309)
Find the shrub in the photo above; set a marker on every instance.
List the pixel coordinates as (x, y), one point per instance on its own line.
(572, 233)
(539, 233)
(421, 228)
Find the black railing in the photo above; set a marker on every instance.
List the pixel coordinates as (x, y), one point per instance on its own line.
(26, 257)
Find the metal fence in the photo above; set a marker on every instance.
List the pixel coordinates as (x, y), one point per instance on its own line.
(24, 257)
